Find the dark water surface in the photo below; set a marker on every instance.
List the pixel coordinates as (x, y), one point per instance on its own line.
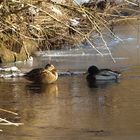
(70, 109)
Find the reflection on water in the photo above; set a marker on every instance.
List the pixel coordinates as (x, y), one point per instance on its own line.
(101, 84)
(71, 109)
(42, 88)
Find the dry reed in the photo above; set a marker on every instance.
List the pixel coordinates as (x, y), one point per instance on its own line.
(54, 25)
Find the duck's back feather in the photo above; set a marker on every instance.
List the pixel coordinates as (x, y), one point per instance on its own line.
(105, 77)
(34, 75)
(109, 73)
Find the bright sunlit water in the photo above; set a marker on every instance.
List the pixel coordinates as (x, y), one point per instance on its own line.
(70, 109)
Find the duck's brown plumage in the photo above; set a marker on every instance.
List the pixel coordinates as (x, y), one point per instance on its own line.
(43, 75)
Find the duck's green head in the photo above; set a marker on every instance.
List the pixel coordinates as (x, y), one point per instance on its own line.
(93, 70)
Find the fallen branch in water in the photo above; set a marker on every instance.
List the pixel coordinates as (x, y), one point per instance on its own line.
(6, 122)
(11, 112)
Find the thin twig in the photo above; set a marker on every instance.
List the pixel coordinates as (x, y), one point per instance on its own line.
(72, 29)
(6, 122)
(11, 112)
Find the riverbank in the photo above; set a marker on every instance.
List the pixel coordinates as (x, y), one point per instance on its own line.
(37, 25)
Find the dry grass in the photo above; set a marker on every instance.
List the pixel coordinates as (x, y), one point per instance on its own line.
(49, 23)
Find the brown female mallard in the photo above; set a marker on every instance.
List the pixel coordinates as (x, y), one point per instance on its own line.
(46, 75)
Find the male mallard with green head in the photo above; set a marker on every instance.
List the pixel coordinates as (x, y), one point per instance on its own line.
(95, 74)
(46, 75)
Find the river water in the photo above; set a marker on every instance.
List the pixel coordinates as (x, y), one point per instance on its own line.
(70, 109)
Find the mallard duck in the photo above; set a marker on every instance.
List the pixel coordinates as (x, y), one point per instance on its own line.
(46, 75)
(95, 74)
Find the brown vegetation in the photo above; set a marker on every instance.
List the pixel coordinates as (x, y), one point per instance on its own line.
(29, 25)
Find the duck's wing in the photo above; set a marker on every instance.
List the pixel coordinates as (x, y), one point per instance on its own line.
(107, 72)
(34, 74)
(105, 77)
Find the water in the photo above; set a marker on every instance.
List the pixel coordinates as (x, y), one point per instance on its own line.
(70, 109)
